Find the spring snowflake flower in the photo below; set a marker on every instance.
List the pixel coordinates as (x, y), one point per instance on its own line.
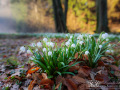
(109, 45)
(39, 44)
(32, 57)
(45, 39)
(107, 39)
(49, 53)
(22, 49)
(107, 51)
(100, 46)
(29, 52)
(69, 40)
(73, 45)
(86, 52)
(90, 36)
(105, 35)
(32, 44)
(81, 42)
(44, 50)
(80, 37)
(112, 51)
(36, 49)
(66, 50)
(71, 37)
(51, 44)
(67, 43)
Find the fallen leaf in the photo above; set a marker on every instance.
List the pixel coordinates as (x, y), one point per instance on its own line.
(32, 70)
(79, 79)
(70, 84)
(83, 87)
(46, 82)
(32, 83)
(114, 67)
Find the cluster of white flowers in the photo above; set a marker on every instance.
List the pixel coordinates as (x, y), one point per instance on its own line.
(45, 39)
(80, 37)
(105, 35)
(109, 51)
(29, 51)
(80, 42)
(39, 44)
(22, 49)
(32, 44)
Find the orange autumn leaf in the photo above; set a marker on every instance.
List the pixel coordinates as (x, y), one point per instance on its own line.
(32, 70)
(32, 83)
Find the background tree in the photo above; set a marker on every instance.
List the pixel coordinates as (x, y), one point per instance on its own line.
(102, 21)
(60, 16)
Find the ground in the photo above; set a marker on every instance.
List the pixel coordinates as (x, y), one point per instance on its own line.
(9, 50)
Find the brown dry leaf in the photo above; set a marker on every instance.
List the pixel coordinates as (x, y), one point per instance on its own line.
(46, 82)
(57, 86)
(82, 73)
(114, 67)
(117, 73)
(101, 63)
(44, 75)
(70, 84)
(76, 55)
(73, 68)
(59, 79)
(32, 83)
(83, 87)
(79, 79)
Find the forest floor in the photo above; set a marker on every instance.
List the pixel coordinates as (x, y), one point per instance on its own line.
(9, 56)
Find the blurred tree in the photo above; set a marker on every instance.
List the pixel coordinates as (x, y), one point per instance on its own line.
(102, 21)
(60, 16)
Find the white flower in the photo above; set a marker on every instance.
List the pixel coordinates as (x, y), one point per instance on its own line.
(44, 50)
(80, 37)
(111, 51)
(45, 39)
(109, 45)
(67, 35)
(73, 45)
(67, 43)
(105, 35)
(66, 50)
(69, 40)
(90, 36)
(107, 39)
(51, 44)
(107, 51)
(22, 49)
(100, 46)
(32, 57)
(32, 44)
(39, 44)
(49, 53)
(86, 52)
(29, 52)
(81, 42)
(71, 37)
(36, 49)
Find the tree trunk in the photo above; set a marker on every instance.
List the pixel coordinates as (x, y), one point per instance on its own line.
(59, 16)
(102, 21)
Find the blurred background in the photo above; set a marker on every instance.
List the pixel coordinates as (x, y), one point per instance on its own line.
(36, 16)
